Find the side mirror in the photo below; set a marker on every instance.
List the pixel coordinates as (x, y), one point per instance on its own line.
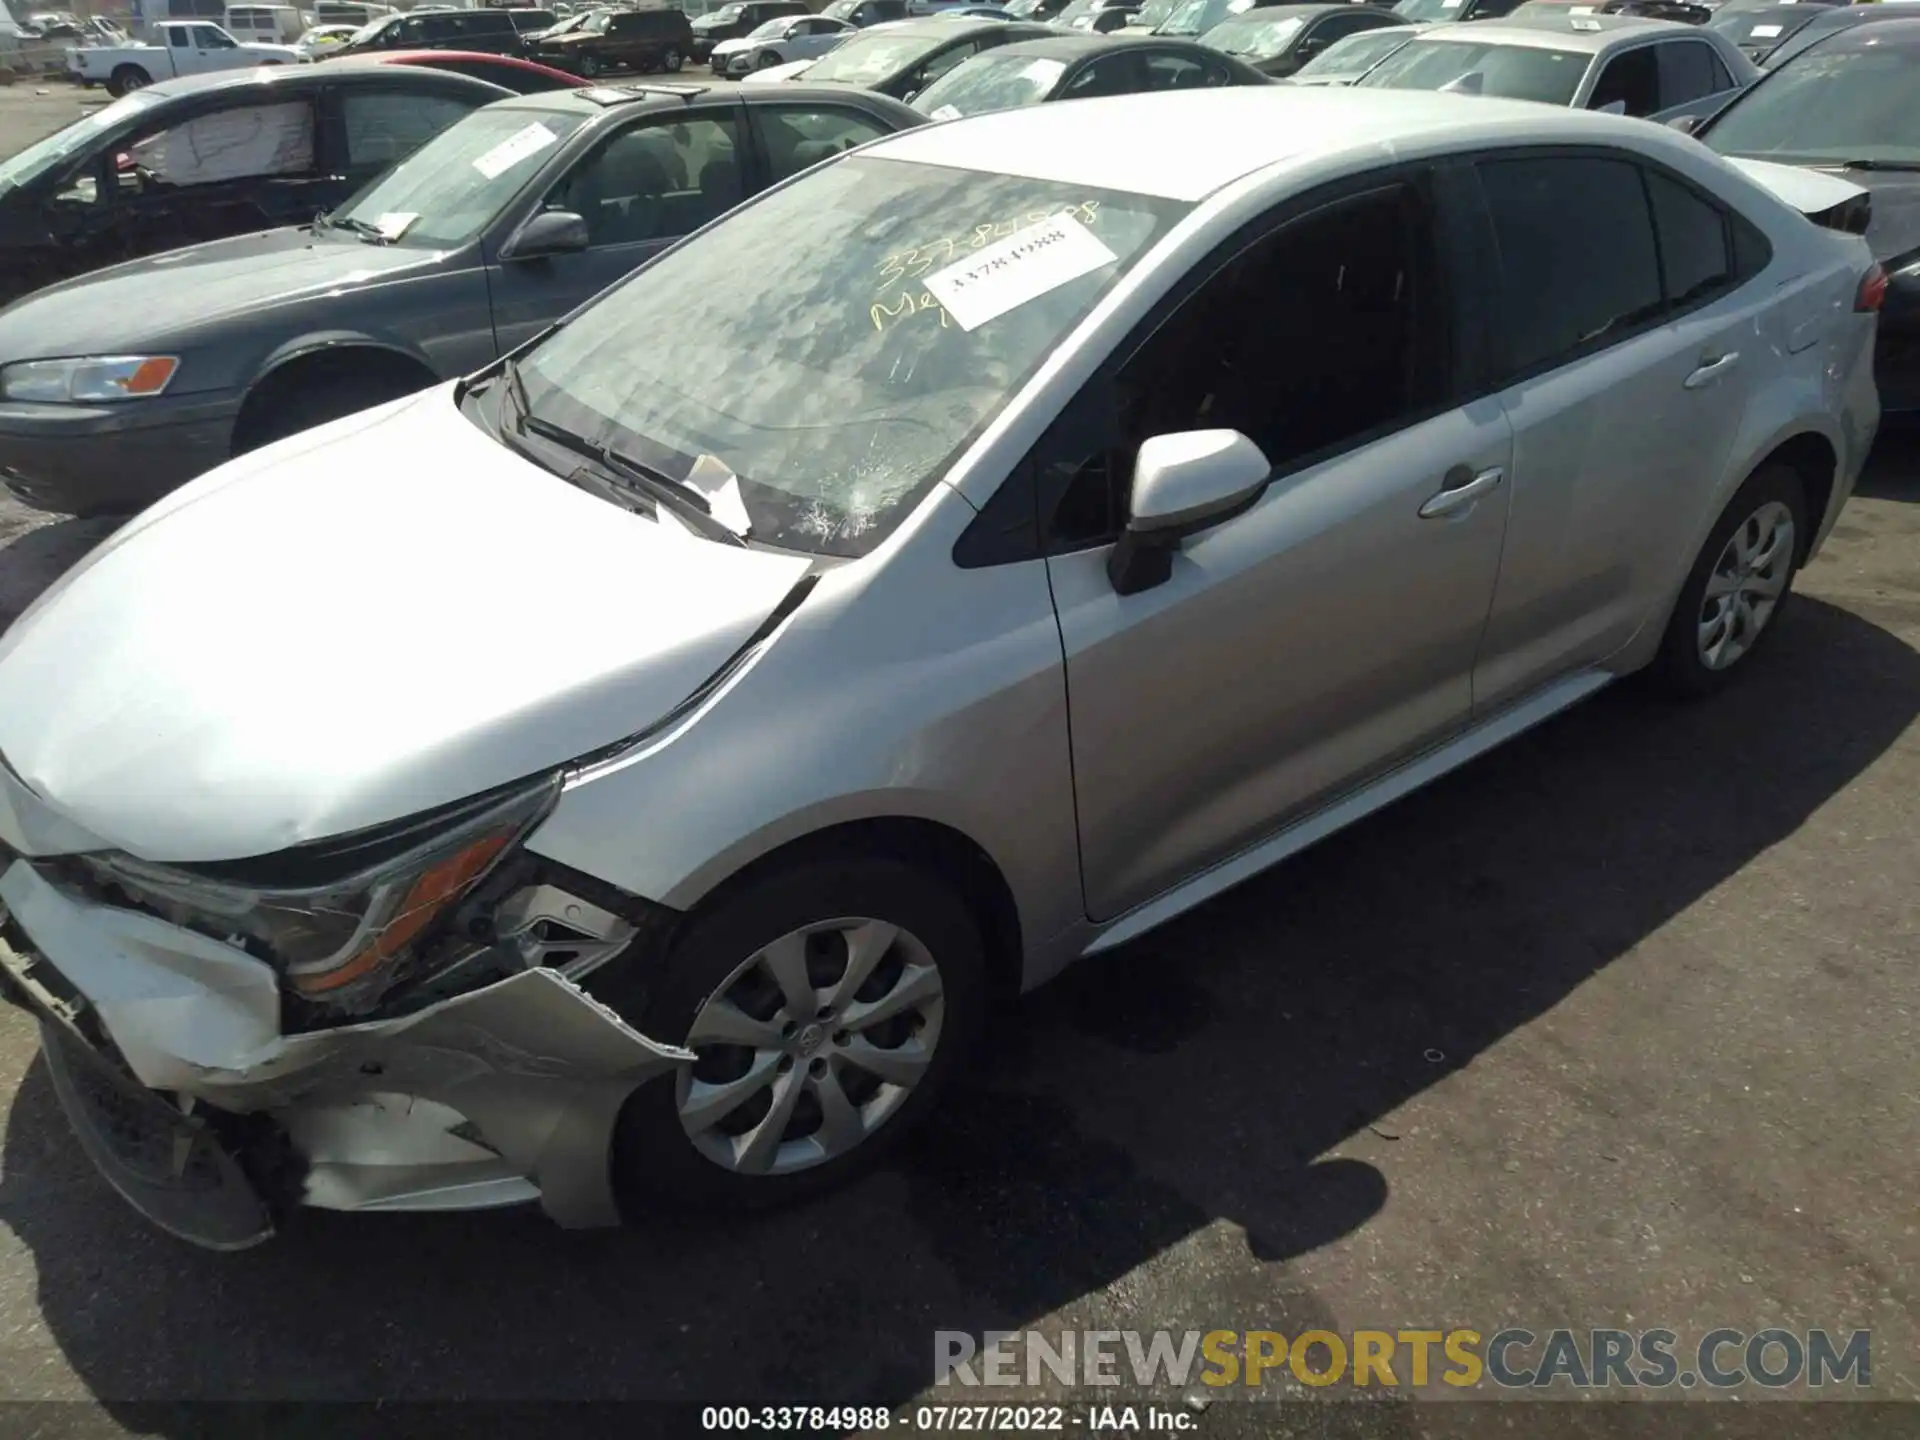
(1183, 483)
(551, 232)
(1685, 124)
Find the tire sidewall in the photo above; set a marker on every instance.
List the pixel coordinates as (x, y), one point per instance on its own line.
(1679, 664)
(654, 1161)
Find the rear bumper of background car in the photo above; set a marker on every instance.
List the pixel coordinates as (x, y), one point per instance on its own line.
(166, 1052)
(111, 459)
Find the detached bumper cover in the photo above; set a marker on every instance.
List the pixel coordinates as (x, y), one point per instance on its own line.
(159, 1040)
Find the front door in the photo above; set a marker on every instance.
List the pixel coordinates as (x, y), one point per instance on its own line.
(1330, 630)
(639, 190)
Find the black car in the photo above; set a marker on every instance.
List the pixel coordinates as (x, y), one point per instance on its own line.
(902, 60)
(740, 18)
(1077, 67)
(1278, 39)
(505, 222)
(1846, 105)
(150, 172)
(647, 38)
(483, 31)
(862, 13)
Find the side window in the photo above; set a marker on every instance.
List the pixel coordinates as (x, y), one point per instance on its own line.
(181, 37)
(1577, 258)
(1115, 75)
(1338, 27)
(1175, 72)
(238, 144)
(938, 65)
(1686, 71)
(1357, 276)
(1631, 81)
(655, 181)
(383, 126)
(798, 136)
(1696, 242)
(208, 38)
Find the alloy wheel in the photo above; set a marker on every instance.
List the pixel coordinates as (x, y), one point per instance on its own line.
(810, 1046)
(1746, 584)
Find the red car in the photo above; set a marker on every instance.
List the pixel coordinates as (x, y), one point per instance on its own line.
(523, 77)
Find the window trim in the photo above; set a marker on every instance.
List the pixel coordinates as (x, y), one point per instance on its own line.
(1500, 376)
(1014, 525)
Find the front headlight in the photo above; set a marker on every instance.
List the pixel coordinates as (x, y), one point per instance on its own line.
(88, 378)
(342, 941)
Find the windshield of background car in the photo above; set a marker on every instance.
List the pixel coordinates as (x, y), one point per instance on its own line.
(725, 14)
(1357, 54)
(41, 156)
(866, 58)
(1511, 72)
(447, 191)
(1763, 28)
(1432, 9)
(813, 353)
(1197, 17)
(1828, 103)
(990, 82)
(373, 28)
(1254, 36)
(770, 29)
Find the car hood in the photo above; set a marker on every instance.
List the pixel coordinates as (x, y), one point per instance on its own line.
(382, 615)
(166, 293)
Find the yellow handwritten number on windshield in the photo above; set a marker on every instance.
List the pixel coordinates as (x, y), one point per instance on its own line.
(883, 314)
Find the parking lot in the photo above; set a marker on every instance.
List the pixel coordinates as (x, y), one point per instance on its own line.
(1615, 1028)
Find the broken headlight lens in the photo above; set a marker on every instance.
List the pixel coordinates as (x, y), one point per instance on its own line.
(336, 939)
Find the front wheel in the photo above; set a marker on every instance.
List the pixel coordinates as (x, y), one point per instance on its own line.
(765, 60)
(1740, 582)
(826, 1005)
(672, 61)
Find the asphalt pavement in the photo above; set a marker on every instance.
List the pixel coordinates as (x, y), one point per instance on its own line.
(1616, 1027)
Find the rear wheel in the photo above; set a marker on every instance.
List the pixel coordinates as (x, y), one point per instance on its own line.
(590, 66)
(826, 1004)
(1740, 582)
(126, 78)
(672, 61)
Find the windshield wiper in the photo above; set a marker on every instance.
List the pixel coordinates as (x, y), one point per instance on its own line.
(677, 495)
(1874, 164)
(372, 234)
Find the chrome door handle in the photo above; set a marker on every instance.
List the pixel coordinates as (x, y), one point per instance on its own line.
(1711, 370)
(1462, 488)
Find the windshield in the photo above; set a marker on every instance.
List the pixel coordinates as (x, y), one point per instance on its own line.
(373, 28)
(447, 191)
(1255, 36)
(990, 82)
(870, 57)
(41, 156)
(1430, 9)
(1763, 27)
(1512, 72)
(1152, 14)
(1357, 54)
(1196, 17)
(838, 386)
(1851, 104)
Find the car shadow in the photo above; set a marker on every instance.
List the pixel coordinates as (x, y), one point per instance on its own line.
(1892, 471)
(1201, 1075)
(33, 558)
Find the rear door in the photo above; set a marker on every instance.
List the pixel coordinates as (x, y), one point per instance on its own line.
(639, 189)
(1624, 340)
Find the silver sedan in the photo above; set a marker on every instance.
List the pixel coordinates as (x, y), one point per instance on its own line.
(632, 770)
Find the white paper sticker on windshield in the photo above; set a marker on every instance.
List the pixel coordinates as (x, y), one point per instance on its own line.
(1581, 9)
(1451, 4)
(516, 147)
(945, 112)
(1767, 32)
(1023, 267)
(394, 223)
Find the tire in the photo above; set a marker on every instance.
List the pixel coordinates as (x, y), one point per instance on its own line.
(672, 61)
(1763, 574)
(315, 403)
(590, 66)
(765, 60)
(657, 1158)
(125, 78)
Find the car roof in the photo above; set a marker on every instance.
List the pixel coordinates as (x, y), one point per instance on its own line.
(1302, 12)
(1589, 34)
(655, 95)
(1072, 45)
(934, 27)
(292, 77)
(1143, 143)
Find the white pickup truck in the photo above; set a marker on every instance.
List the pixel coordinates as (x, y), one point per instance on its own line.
(184, 47)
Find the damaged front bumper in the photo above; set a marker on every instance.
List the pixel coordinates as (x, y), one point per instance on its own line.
(165, 1049)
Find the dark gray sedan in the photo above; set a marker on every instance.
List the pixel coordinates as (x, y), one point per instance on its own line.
(118, 387)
